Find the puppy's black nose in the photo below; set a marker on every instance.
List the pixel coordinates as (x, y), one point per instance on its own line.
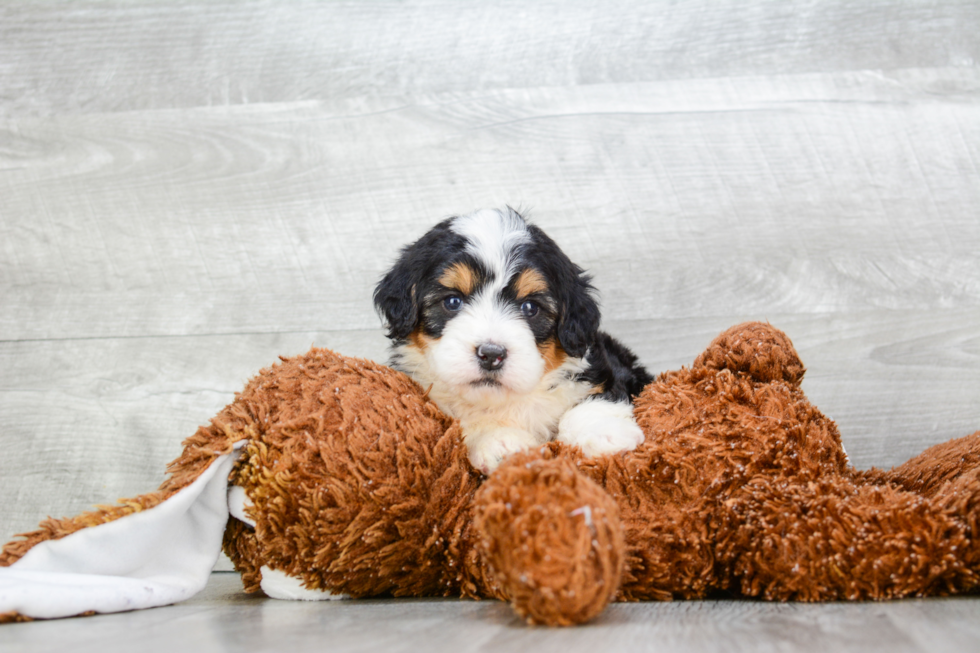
(491, 356)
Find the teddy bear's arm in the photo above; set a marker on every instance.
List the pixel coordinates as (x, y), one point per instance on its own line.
(551, 538)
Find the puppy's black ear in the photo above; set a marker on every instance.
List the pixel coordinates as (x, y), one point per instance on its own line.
(399, 294)
(578, 319)
(578, 311)
(395, 298)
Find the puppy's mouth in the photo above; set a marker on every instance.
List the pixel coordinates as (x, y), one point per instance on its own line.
(486, 382)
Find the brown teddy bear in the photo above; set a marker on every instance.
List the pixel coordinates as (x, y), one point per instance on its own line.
(359, 485)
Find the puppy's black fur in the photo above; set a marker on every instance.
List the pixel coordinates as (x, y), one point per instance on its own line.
(399, 296)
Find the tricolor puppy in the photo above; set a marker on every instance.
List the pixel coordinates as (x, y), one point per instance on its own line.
(488, 312)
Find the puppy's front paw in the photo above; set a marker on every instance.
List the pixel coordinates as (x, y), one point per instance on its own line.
(600, 427)
(488, 449)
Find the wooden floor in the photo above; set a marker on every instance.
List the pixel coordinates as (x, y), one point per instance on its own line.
(224, 618)
(190, 189)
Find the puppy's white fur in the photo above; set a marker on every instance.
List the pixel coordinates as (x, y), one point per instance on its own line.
(600, 427)
(497, 420)
(492, 237)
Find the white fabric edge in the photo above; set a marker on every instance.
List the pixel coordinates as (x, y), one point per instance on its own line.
(279, 585)
(147, 559)
(238, 501)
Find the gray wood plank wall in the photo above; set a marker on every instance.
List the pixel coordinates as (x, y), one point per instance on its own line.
(188, 190)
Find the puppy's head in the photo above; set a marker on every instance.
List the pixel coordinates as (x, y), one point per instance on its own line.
(486, 303)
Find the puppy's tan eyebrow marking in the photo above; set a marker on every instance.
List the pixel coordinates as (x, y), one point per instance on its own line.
(529, 282)
(459, 276)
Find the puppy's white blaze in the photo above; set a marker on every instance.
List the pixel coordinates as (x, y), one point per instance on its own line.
(485, 320)
(277, 585)
(600, 427)
(492, 237)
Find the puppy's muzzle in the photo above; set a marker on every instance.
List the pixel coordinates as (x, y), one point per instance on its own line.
(491, 356)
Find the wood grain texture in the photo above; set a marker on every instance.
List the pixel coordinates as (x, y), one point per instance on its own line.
(119, 56)
(188, 190)
(799, 194)
(224, 618)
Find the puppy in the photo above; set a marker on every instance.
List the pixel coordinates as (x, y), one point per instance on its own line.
(488, 313)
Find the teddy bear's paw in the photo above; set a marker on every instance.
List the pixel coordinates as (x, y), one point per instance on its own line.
(600, 427)
(487, 449)
(550, 538)
(278, 585)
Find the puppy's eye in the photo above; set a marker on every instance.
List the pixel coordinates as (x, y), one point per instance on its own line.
(529, 309)
(453, 303)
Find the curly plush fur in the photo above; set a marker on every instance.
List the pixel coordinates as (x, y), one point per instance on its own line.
(361, 486)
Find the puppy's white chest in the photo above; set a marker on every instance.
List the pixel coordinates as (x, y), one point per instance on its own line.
(536, 412)
(497, 425)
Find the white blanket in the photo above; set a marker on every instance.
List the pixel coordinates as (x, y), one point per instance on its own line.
(150, 558)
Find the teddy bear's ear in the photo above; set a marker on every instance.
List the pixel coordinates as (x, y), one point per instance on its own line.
(755, 348)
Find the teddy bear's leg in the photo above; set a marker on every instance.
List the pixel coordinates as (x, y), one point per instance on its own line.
(929, 472)
(551, 539)
(241, 546)
(835, 539)
(949, 475)
(961, 497)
